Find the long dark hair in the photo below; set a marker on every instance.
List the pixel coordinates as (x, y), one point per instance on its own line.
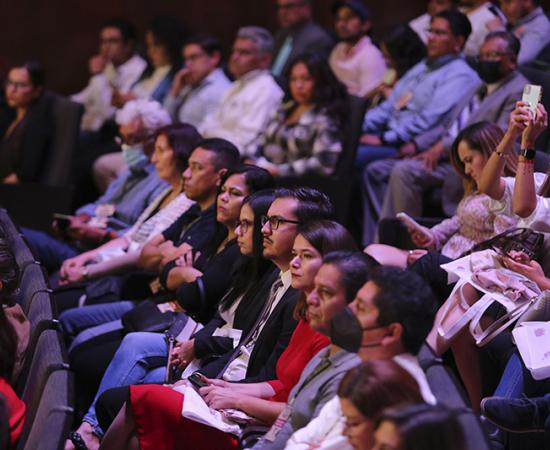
(325, 236)
(8, 346)
(376, 385)
(9, 274)
(422, 426)
(329, 94)
(255, 266)
(405, 48)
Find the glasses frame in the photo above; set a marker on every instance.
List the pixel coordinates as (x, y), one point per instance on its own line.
(275, 221)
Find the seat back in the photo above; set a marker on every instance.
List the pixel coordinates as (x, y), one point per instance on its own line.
(66, 118)
(53, 417)
(33, 280)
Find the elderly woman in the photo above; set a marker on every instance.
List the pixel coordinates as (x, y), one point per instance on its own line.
(25, 126)
(305, 134)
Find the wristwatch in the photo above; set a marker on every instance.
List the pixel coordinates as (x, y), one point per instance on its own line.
(528, 154)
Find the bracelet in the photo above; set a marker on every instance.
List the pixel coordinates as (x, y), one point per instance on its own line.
(526, 161)
(502, 154)
(85, 273)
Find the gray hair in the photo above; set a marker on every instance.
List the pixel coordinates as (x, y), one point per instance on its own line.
(260, 36)
(151, 113)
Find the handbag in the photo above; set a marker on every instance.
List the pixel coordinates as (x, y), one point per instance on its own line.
(146, 316)
(522, 240)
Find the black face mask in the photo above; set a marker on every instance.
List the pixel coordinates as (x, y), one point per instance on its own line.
(346, 332)
(489, 71)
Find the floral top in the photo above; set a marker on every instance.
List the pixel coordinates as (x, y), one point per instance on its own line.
(474, 222)
(312, 144)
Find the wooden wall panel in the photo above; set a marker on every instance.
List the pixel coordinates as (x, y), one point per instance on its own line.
(62, 34)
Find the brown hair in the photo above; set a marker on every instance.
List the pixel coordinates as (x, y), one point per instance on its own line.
(376, 385)
(325, 236)
(483, 137)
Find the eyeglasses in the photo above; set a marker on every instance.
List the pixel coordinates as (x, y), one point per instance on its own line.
(275, 221)
(244, 225)
(436, 32)
(492, 56)
(194, 57)
(110, 41)
(18, 84)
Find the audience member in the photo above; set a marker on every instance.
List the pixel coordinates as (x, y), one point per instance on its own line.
(8, 348)
(394, 324)
(246, 105)
(116, 67)
(419, 427)
(173, 145)
(365, 391)
(493, 102)
(197, 89)
(164, 36)
(474, 222)
(424, 97)
(298, 34)
(402, 49)
(305, 134)
(527, 20)
(138, 120)
(421, 24)
(355, 60)
(26, 128)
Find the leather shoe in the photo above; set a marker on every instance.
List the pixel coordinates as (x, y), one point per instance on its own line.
(517, 415)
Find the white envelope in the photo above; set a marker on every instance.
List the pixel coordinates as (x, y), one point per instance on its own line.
(533, 342)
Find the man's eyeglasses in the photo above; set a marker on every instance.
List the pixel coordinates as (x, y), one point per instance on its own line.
(492, 56)
(275, 221)
(244, 225)
(436, 32)
(17, 84)
(290, 5)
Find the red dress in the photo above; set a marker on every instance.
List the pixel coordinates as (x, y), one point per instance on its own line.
(157, 409)
(16, 409)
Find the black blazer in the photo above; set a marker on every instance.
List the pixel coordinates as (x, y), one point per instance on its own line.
(271, 342)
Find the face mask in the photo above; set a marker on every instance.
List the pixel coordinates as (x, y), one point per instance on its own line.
(489, 71)
(133, 154)
(346, 332)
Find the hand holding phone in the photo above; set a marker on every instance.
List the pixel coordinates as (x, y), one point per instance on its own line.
(532, 94)
(420, 235)
(197, 380)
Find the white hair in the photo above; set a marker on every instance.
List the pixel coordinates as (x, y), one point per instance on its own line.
(151, 113)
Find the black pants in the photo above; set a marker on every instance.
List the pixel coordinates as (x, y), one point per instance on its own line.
(428, 267)
(109, 404)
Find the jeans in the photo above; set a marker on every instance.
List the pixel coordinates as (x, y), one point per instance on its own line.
(517, 380)
(51, 252)
(369, 153)
(82, 324)
(140, 359)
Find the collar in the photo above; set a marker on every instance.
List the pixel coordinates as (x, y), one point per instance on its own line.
(529, 17)
(497, 85)
(249, 76)
(286, 278)
(338, 358)
(209, 79)
(143, 165)
(441, 61)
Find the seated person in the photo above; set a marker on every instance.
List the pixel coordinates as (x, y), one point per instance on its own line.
(298, 34)
(355, 60)
(116, 66)
(421, 24)
(474, 221)
(419, 426)
(16, 408)
(247, 104)
(481, 14)
(527, 20)
(26, 127)
(347, 275)
(424, 97)
(125, 200)
(493, 102)
(305, 134)
(173, 145)
(197, 89)
(402, 49)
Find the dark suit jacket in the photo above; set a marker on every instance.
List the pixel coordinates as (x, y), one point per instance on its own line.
(271, 342)
(309, 38)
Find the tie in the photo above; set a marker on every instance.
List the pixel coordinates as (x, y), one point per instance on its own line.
(282, 57)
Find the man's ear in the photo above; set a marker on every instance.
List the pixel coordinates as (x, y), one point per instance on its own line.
(393, 335)
(367, 25)
(460, 41)
(221, 173)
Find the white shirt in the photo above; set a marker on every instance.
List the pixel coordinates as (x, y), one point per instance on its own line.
(96, 96)
(236, 370)
(420, 26)
(194, 103)
(478, 19)
(146, 87)
(244, 109)
(360, 68)
(325, 431)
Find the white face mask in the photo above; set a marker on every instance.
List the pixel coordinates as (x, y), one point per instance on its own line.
(133, 154)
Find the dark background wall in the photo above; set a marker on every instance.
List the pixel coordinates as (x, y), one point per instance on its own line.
(62, 34)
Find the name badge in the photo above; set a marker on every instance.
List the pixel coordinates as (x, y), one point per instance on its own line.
(279, 423)
(403, 101)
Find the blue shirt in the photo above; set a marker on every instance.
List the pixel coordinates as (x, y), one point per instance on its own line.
(131, 192)
(425, 95)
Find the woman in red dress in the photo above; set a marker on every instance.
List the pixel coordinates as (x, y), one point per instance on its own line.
(152, 419)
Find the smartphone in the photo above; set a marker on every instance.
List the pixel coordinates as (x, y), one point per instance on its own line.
(63, 220)
(409, 222)
(532, 94)
(197, 380)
